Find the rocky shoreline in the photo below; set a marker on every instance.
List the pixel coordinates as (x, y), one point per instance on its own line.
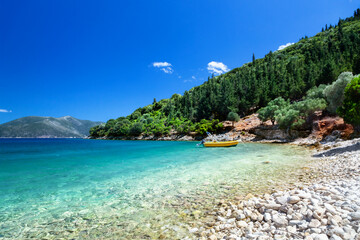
(327, 208)
(251, 129)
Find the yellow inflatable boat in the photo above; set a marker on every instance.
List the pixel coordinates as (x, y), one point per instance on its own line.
(221, 144)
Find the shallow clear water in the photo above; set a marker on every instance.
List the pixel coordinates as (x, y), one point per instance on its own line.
(130, 189)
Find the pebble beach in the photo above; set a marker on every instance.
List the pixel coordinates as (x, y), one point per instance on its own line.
(327, 207)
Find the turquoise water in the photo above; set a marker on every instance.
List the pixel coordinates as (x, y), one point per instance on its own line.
(75, 188)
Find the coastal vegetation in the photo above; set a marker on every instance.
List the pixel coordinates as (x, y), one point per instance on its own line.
(290, 83)
(234, 117)
(299, 114)
(350, 108)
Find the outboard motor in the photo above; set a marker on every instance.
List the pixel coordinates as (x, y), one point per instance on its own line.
(202, 142)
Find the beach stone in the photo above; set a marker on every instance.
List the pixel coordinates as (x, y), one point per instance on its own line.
(193, 230)
(355, 216)
(338, 231)
(282, 200)
(309, 214)
(335, 237)
(228, 213)
(242, 224)
(324, 221)
(314, 201)
(335, 220)
(240, 217)
(231, 220)
(253, 216)
(295, 222)
(304, 195)
(227, 226)
(249, 196)
(247, 212)
(330, 208)
(196, 213)
(293, 199)
(303, 226)
(297, 216)
(212, 237)
(316, 216)
(267, 217)
(278, 236)
(210, 224)
(260, 218)
(279, 221)
(320, 237)
(315, 230)
(314, 223)
(291, 229)
(273, 206)
(348, 229)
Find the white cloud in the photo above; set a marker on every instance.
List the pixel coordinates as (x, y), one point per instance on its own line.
(161, 64)
(192, 79)
(5, 111)
(284, 46)
(164, 66)
(167, 70)
(217, 67)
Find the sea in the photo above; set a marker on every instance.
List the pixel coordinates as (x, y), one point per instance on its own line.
(102, 189)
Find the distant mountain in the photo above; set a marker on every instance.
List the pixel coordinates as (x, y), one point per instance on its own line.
(47, 127)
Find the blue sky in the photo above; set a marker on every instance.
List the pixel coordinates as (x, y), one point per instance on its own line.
(98, 60)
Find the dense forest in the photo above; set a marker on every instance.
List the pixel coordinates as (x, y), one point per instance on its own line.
(289, 73)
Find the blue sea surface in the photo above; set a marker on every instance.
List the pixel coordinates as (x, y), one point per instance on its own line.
(80, 188)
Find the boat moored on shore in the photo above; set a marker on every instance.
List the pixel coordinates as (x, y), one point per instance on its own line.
(221, 144)
(213, 142)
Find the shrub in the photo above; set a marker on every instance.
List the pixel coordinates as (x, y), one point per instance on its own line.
(350, 110)
(136, 129)
(268, 112)
(334, 93)
(135, 115)
(309, 106)
(316, 92)
(285, 117)
(234, 117)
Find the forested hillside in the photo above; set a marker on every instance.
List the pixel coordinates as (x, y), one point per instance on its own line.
(288, 73)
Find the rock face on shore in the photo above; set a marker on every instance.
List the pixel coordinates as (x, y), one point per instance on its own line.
(328, 209)
(250, 128)
(325, 127)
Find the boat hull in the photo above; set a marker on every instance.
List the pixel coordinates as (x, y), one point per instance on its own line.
(221, 144)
